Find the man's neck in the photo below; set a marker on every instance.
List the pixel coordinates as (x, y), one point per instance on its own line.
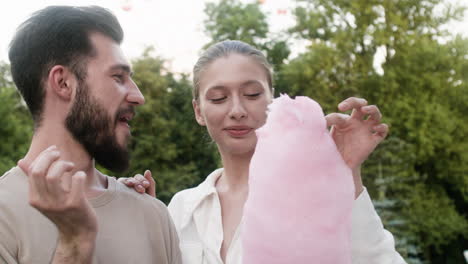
(70, 150)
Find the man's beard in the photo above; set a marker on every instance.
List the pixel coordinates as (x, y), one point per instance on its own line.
(93, 128)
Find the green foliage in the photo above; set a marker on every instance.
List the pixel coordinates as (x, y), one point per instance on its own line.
(234, 20)
(16, 128)
(231, 19)
(421, 171)
(432, 96)
(419, 176)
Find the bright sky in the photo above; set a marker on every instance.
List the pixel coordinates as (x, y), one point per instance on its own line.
(173, 27)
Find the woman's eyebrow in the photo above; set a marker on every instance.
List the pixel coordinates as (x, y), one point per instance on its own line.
(251, 82)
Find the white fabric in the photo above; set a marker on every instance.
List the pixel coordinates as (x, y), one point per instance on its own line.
(196, 213)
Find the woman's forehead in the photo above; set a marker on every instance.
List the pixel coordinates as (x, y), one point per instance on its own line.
(233, 70)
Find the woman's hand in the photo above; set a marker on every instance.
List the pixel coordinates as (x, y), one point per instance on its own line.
(358, 134)
(141, 183)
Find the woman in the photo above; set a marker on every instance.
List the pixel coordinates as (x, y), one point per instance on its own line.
(232, 88)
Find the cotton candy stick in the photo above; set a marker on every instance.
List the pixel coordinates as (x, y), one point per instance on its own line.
(301, 191)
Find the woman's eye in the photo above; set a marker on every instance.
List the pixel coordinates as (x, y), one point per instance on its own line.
(218, 100)
(253, 95)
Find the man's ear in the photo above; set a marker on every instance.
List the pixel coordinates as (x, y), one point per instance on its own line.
(61, 82)
(198, 116)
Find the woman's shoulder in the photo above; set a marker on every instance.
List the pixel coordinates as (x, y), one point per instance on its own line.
(184, 195)
(186, 200)
(180, 204)
(199, 191)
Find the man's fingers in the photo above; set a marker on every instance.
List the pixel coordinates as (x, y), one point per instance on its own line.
(151, 190)
(55, 174)
(45, 152)
(37, 172)
(373, 112)
(23, 166)
(336, 119)
(77, 187)
(41, 164)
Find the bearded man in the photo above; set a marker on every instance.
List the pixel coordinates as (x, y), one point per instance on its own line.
(56, 207)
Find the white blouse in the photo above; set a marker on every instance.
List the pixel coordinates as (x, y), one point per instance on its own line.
(197, 216)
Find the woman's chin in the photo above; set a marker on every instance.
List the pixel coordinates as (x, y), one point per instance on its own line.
(246, 147)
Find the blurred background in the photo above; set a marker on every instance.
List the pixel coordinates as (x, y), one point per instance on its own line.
(409, 57)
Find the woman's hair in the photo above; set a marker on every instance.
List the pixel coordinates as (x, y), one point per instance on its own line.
(224, 49)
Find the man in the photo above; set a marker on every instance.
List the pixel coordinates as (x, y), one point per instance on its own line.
(56, 207)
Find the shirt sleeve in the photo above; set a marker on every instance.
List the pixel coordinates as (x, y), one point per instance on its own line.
(370, 241)
(8, 243)
(6, 257)
(175, 208)
(175, 249)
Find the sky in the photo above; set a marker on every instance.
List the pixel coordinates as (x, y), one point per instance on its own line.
(173, 27)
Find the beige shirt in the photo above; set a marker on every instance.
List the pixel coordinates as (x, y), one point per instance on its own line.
(197, 216)
(133, 228)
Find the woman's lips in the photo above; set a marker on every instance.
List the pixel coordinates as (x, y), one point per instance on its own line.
(238, 131)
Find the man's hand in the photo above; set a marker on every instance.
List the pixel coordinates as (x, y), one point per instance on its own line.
(141, 183)
(60, 196)
(357, 135)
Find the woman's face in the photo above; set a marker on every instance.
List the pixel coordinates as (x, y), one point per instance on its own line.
(233, 100)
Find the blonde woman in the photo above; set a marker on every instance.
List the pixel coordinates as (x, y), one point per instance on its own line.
(231, 90)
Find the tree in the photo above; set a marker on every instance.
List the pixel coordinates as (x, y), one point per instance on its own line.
(422, 91)
(233, 20)
(16, 128)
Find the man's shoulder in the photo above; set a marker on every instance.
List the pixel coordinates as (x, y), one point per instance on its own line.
(13, 183)
(14, 202)
(13, 174)
(126, 194)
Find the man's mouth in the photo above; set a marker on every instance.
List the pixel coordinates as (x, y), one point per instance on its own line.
(125, 116)
(124, 120)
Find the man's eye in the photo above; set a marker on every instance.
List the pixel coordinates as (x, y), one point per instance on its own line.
(118, 77)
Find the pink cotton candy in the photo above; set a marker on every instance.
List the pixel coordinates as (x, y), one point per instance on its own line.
(301, 192)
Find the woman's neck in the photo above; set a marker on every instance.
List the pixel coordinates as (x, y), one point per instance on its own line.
(236, 172)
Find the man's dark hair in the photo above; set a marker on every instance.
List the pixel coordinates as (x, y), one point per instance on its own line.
(56, 35)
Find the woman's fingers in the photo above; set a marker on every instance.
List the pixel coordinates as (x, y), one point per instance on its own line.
(141, 183)
(352, 103)
(336, 119)
(151, 189)
(373, 112)
(355, 104)
(380, 132)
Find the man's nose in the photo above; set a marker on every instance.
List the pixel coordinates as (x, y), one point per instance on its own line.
(135, 96)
